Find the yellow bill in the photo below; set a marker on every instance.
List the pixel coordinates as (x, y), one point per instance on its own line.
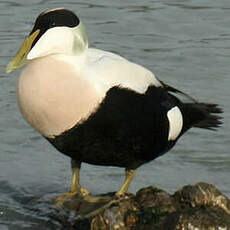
(19, 59)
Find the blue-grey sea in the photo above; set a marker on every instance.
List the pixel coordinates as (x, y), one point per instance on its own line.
(186, 43)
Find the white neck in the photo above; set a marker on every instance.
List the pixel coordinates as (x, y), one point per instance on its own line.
(80, 43)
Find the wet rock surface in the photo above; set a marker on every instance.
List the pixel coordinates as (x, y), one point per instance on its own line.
(194, 207)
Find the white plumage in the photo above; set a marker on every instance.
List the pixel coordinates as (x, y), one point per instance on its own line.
(70, 83)
(95, 106)
(175, 123)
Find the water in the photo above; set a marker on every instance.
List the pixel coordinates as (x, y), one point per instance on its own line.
(186, 44)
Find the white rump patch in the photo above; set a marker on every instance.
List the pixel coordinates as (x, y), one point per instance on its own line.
(175, 123)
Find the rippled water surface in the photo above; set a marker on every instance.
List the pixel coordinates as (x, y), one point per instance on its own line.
(186, 43)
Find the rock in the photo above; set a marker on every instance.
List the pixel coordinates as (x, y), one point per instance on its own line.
(194, 207)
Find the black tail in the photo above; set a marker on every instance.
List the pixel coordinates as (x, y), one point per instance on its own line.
(201, 115)
(195, 114)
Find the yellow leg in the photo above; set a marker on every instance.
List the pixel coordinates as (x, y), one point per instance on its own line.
(75, 190)
(129, 174)
(75, 185)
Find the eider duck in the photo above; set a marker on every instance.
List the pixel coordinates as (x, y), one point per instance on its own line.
(96, 106)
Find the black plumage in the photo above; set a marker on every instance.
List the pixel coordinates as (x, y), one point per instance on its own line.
(129, 129)
(54, 18)
(95, 106)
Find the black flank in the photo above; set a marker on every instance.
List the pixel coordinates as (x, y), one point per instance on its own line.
(129, 129)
